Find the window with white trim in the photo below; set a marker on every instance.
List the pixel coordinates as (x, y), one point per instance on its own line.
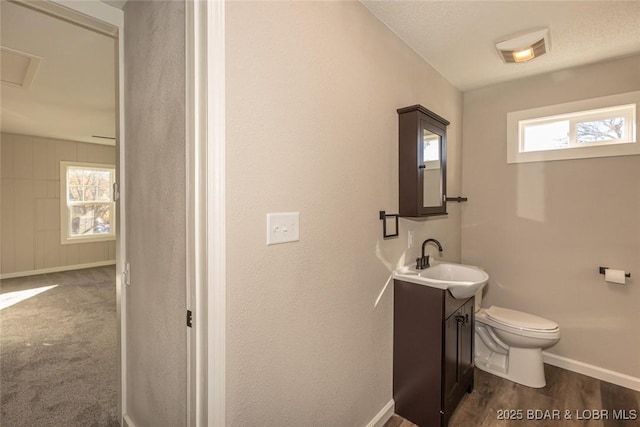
(571, 131)
(87, 206)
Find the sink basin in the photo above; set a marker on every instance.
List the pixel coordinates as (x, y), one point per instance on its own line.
(462, 281)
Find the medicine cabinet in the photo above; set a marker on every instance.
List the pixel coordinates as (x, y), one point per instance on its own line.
(423, 162)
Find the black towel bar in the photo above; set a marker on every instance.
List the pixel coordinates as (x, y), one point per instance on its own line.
(456, 199)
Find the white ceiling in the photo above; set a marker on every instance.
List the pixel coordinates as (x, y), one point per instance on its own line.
(115, 3)
(458, 37)
(72, 95)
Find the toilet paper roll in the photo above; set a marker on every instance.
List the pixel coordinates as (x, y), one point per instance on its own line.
(614, 276)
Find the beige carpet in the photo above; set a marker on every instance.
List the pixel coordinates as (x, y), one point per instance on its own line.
(58, 350)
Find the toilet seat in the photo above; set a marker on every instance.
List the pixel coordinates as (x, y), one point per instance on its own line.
(520, 320)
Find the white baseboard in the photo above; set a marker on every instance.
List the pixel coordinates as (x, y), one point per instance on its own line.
(126, 421)
(603, 374)
(383, 416)
(57, 269)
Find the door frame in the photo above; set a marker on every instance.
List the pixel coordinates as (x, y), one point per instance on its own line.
(205, 189)
(94, 14)
(206, 261)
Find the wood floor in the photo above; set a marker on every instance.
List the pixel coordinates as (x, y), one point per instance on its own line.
(584, 398)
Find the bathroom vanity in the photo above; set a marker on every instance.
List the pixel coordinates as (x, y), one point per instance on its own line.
(432, 352)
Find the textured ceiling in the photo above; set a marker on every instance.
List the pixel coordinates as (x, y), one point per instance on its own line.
(72, 95)
(458, 37)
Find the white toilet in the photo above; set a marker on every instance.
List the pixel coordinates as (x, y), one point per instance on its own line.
(509, 343)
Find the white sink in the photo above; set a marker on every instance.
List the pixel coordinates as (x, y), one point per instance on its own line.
(462, 281)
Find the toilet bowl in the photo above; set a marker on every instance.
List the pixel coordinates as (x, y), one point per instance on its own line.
(509, 343)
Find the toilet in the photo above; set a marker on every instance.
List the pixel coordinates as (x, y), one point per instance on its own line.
(509, 343)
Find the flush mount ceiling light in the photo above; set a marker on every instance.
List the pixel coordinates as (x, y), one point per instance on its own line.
(524, 47)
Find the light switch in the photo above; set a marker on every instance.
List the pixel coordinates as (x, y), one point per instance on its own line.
(283, 227)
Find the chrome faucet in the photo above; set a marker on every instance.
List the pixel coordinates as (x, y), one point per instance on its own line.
(423, 261)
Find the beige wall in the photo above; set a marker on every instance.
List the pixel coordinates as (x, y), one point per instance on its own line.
(30, 207)
(542, 229)
(312, 93)
(156, 338)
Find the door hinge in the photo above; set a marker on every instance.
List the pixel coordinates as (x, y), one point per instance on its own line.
(189, 318)
(126, 274)
(116, 192)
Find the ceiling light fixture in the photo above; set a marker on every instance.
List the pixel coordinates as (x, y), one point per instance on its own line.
(524, 47)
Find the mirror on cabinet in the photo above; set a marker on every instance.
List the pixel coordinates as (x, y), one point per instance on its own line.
(431, 177)
(423, 160)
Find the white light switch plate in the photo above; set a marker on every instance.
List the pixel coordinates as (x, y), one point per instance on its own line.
(283, 227)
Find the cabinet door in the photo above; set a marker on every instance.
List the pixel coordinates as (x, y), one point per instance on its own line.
(432, 180)
(458, 356)
(465, 340)
(451, 354)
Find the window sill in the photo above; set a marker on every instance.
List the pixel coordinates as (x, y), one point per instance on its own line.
(76, 240)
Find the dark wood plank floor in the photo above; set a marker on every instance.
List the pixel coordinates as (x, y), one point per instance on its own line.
(584, 398)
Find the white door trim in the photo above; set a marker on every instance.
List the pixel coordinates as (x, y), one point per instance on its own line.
(100, 13)
(206, 276)
(194, 129)
(216, 208)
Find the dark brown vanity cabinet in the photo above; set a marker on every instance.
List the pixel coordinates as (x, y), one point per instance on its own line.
(423, 162)
(432, 352)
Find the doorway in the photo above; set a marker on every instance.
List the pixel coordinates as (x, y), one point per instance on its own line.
(63, 312)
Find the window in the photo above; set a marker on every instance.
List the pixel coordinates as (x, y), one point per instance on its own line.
(586, 128)
(572, 131)
(87, 206)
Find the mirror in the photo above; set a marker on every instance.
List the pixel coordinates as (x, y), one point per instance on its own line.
(423, 162)
(432, 171)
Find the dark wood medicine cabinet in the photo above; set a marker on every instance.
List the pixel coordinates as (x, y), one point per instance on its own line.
(423, 162)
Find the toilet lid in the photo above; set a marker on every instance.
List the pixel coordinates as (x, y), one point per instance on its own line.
(520, 319)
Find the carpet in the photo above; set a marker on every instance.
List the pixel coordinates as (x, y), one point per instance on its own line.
(58, 350)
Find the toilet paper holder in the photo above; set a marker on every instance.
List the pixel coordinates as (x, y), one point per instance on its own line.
(602, 269)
